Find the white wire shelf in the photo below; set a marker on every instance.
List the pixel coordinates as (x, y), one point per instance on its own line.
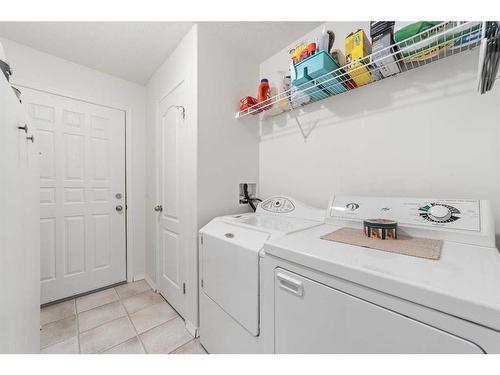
(443, 40)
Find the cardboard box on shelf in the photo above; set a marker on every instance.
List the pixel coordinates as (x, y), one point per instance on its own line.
(357, 48)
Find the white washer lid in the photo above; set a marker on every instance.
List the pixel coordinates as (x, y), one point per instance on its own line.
(275, 224)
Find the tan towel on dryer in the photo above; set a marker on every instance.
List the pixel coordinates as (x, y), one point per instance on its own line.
(405, 245)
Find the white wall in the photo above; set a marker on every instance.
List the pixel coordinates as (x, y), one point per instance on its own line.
(179, 66)
(228, 151)
(19, 231)
(424, 133)
(39, 70)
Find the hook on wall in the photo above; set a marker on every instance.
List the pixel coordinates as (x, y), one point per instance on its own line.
(181, 108)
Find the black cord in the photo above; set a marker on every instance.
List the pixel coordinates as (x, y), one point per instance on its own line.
(247, 197)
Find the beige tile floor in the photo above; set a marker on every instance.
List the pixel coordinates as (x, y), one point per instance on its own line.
(128, 319)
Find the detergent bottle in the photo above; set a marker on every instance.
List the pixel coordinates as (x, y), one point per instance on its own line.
(263, 94)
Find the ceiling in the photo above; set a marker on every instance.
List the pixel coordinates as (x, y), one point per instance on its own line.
(129, 50)
(134, 50)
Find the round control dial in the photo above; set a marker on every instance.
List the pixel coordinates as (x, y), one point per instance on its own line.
(439, 213)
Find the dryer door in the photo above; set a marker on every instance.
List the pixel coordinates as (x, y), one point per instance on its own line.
(230, 270)
(314, 318)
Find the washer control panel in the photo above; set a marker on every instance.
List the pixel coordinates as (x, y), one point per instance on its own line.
(458, 214)
(281, 205)
(278, 205)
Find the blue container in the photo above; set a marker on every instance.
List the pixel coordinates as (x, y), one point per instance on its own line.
(316, 66)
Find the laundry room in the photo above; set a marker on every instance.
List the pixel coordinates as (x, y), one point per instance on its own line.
(273, 185)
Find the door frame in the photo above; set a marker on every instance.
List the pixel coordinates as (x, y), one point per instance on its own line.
(129, 256)
(158, 144)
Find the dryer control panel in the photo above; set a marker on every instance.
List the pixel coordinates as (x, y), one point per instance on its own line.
(459, 216)
(456, 214)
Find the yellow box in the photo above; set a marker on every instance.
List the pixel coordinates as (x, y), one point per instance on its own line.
(357, 46)
(360, 74)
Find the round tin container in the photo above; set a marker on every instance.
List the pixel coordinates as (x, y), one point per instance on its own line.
(381, 228)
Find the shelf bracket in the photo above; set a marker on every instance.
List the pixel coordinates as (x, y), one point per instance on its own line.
(305, 134)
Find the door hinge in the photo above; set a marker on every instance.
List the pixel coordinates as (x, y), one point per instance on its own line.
(201, 239)
(183, 288)
(202, 283)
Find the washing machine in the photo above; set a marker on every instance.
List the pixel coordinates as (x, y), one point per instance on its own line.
(323, 296)
(230, 250)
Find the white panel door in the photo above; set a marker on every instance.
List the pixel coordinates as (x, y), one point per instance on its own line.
(171, 235)
(19, 230)
(82, 194)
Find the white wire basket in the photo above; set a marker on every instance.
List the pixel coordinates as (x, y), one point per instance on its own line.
(443, 40)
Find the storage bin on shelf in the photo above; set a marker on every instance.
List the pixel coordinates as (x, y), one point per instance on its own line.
(418, 41)
(317, 67)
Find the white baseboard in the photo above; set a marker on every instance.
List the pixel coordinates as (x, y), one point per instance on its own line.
(151, 283)
(139, 277)
(192, 329)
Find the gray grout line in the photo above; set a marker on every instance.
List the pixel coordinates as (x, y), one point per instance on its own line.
(133, 326)
(114, 346)
(130, 320)
(159, 325)
(138, 336)
(77, 327)
(109, 321)
(127, 314)
(119, 300)
(182, 345)
(60, 341)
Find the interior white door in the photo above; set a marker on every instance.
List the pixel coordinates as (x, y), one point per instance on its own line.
(82, 194)
(19, 229)
(171, 234)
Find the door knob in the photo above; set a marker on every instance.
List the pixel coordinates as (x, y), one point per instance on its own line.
(119, 208)
(31, 138)
(159, 208)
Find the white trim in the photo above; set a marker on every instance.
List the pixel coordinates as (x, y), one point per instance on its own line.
(151, 283)
(191, 328)
(168, 92)
(139, 277)
(129, 250)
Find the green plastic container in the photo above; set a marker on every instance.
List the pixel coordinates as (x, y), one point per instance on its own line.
(313, 67)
